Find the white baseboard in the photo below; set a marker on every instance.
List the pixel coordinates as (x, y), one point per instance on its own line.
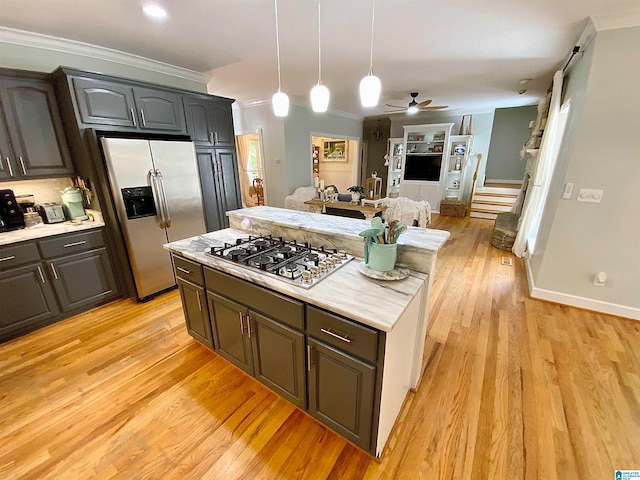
(580, 302)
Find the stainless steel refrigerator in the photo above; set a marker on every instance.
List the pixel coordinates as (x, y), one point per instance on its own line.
(156, 190)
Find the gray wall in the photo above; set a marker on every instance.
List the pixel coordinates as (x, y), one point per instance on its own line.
(46, 60)
(376, 149)
(579, 239)
(287, 143)
(510, 132)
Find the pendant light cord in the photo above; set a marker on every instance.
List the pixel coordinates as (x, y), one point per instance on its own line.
(278, 46)
(373, 16)
(319, 49)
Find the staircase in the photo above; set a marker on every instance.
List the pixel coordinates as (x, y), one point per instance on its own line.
(494, 198)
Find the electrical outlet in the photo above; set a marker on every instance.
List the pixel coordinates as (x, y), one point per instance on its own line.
(568, 190)
(590, 195)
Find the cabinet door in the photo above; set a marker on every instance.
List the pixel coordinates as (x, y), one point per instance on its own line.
(279, 358)
(231, 338)
(7, 169)
(159, 110)
(228, 181)
(82, 280)
(194, 305)
(199, 121)
(26, 297)
(222, 124)
(35, 128)
(105, 103)
(212, 196)
(341, 391)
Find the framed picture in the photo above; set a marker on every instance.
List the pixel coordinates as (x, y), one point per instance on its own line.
(415, 137)
(335, 151)
(437, 148)
(438, 137)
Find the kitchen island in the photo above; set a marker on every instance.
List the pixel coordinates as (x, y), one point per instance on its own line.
(347, 350)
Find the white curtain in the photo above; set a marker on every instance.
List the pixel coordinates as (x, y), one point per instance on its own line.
(242, 146)
(541, 177)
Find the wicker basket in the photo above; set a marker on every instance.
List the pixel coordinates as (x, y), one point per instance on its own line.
(453, 208)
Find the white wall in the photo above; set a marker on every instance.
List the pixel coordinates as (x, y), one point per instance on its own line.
(579, 239)
(41, 59)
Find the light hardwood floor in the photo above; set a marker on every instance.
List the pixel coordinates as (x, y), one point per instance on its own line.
(513, 388)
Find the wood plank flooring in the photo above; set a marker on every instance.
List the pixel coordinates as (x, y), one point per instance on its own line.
(513, 388)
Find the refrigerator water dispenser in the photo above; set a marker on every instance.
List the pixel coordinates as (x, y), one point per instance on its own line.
(138, 202)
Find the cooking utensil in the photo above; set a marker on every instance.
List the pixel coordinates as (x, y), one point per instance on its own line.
(370, 235)
(396, 231)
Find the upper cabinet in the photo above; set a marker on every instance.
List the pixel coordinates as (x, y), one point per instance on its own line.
(209, 121)
(133, 107)
(32, 140)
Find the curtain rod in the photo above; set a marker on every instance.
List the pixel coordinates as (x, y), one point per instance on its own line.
(576, 50)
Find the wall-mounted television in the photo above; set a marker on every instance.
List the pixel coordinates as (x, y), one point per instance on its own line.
(425, 168)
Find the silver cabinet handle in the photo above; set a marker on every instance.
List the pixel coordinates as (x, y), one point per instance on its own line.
(199, 302)
(9, 165)
(144, 122)
(249, 326)
(24, 170)
(53, 269)
(241, 323)
(215, 138)
(309, 358)
(211, 140)
(4, 259)
(152, 181)
(74, 244)
(167, 215)
(335, 335)
(183, 270)
(41, 274)
(133, 117)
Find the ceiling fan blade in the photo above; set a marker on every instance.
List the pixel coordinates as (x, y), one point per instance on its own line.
(395, 106)
(437, 107)
(425, 103)
(395, 111)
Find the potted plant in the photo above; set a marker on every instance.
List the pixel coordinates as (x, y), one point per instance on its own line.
(356, 193)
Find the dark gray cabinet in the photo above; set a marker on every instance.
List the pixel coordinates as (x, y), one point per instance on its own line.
(341, 392)
(219, 182)
(27, 299)
(231, 331)
(195, 312)
(116, 104)
(32, 139)
(83, 279)
(209, 121)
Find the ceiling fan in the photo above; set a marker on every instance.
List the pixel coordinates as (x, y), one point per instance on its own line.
(415, 107)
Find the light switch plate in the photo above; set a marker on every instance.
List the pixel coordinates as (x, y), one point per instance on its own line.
(590, 195)
(568, 190)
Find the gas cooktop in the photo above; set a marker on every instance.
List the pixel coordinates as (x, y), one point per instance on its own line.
(297, 263)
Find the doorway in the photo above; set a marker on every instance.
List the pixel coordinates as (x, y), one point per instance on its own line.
(251, 169)
(336, 160)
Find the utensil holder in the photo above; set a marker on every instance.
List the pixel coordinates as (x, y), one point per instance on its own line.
(382, 256)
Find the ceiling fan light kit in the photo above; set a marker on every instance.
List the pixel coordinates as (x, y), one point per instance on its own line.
(414, 107)
(280, 100)
(319, 94)
(370, 85)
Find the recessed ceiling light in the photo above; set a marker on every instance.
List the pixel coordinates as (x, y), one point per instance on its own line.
(154, 10)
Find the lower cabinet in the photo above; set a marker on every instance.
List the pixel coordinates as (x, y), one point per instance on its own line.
(195, 312)
(27, 299)
(341, 392)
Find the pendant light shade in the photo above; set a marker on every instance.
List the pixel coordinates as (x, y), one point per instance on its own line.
(280, 103)
(319, 93)
(320, 98)
(280, 100)
(370, 85)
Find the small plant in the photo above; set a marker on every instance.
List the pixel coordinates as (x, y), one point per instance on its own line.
(356, 189)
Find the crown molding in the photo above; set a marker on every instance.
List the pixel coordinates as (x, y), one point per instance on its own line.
(47, 42)
(612, 21)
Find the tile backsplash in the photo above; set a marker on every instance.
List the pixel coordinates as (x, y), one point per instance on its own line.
(46, 190)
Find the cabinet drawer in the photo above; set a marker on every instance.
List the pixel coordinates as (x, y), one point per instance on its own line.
(188, 270)
(18, 255)
(342, 333)
(69, 244)
(284, 309)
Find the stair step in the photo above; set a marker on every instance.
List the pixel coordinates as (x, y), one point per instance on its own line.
(495, 191)
(489, 216)
(490, 208)
(492, 202)
(490, 194)
(502, 185)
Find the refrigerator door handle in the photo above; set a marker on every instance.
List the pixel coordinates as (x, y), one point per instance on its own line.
(165, 205)
(153, 183)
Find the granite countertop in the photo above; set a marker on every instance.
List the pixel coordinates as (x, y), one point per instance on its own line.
(46, 230)
(347, 292)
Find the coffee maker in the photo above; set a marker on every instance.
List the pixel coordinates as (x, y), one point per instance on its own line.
(11, 216)
(72, 204)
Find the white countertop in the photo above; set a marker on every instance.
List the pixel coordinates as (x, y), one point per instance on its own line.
(346, 291)
(46, 230)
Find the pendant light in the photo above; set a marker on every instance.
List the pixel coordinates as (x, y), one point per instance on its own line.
(370, 85)
(280, 100)
(319, 93)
